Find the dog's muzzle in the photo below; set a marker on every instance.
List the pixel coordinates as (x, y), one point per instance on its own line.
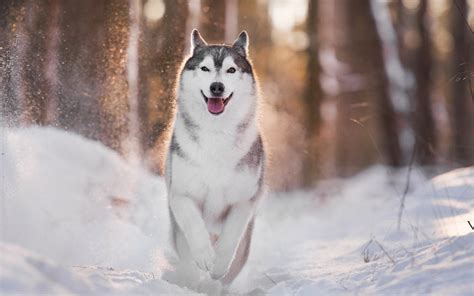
(216, 105)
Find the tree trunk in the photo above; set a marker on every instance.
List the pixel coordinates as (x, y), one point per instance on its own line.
(93, 99)
(462, 104)
(11, 15)
(366, 120)
(213, 20)
(38, 89)
(231, 20)
(114, 99)
(80, 66)
(424, 125)
(162, 69)
(312, 97)
(392, 90)
(134, 147)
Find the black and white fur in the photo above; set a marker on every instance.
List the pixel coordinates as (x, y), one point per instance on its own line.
(215, 163)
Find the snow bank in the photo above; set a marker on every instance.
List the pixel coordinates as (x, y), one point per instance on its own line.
(343, 237)
(76, 218)
(24, 272)
(58, 197)
(444, 205)
(443, 267)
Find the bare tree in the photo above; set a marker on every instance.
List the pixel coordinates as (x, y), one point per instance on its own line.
(168, 59)
(231, 20)
(462, 106)
(367, 125)
(313, 96)
(93, 97)
(213, 23)
(424, 125)
(33, 62)
(134, 143)
(11, 15)
(114, 101)
(162, 67)
(392, 92)
(80, 76)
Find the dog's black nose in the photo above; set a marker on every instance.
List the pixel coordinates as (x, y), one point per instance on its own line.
(217, 88)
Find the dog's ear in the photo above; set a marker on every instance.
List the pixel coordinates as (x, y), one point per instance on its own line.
(196, 40)
(241, 44)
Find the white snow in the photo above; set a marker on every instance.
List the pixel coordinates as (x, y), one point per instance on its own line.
(313, 247)
(57, 197)
(78, 219)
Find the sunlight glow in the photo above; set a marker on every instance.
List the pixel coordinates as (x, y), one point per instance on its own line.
(470, 16)
(154, 10)
(411, 4)
(286, 14)
(457, 225)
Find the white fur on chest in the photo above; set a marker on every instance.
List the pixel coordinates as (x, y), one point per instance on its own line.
(209, 169)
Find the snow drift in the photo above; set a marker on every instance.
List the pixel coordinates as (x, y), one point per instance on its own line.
(58, 197)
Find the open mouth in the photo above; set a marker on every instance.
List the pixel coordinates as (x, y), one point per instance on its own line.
(216, 105)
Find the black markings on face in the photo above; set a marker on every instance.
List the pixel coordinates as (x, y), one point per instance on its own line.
(218, 54)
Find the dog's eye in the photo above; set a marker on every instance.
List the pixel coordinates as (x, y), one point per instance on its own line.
(205, 69)
(231, 70)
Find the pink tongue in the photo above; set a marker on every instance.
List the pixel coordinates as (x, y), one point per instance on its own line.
(215, 105)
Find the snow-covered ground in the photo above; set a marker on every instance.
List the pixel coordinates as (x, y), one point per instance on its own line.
(77, 219)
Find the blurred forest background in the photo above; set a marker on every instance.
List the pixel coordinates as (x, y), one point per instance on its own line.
(346, 84)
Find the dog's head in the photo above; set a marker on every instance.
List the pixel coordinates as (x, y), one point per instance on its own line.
(218, 79)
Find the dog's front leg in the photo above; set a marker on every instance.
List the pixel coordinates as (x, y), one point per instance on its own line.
(229, 239)
(190, 221)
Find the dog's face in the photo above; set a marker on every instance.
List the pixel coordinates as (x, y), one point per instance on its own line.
(218, 79)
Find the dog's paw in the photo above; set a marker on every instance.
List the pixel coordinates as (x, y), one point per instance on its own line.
(210, 287)
(221, 267)
(204, 257)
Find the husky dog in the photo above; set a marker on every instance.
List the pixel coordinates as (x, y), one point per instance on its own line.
(215, 162)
